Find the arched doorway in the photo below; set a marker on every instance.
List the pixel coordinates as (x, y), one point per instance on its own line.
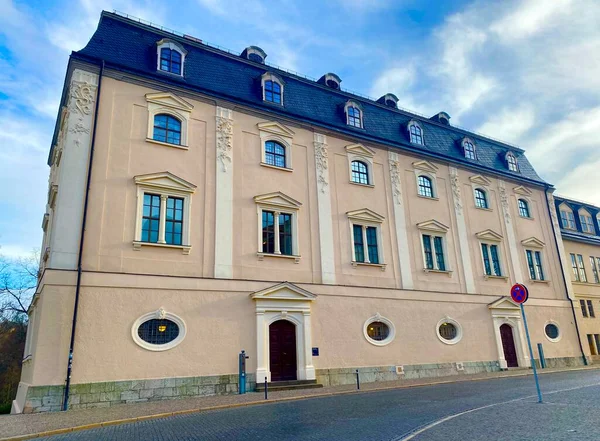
(508, 345)
(282, 351)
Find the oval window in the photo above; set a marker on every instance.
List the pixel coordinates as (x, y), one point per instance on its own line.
(552, 331)
(448, 331)
(158, 332)
(378, 331)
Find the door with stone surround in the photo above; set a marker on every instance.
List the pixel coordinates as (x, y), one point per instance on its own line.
(282, 351)
(508, 344)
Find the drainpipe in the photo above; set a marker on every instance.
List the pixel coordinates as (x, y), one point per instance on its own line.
(65, 405)
(585, 362)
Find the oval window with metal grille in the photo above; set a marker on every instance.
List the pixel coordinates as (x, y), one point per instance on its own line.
(449, 331)
(379, 331)
(158, 331)
(552, 332)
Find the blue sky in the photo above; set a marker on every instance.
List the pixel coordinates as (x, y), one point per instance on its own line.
(526, 72)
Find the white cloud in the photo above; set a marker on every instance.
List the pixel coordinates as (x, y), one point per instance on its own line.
(509, 124)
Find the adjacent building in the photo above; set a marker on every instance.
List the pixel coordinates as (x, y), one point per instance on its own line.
(580, 230)
(202, 202)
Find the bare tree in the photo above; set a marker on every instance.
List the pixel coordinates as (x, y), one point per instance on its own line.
(18, 280)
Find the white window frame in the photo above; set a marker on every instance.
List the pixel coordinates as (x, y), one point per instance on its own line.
(379, 318)
(278, 203)
(485, 195)
(565, 208)
(426, 168)
(463, 144)
(459, 331)
(166, 43)
(366, 218)
(160, 314)
(168, 104)
(276, 132)
(269, 76)
(415, 123)
(358, 152)
(528, 203)
(166, 185)
(434, 228)
(586, 220)
(351, 103)
(508, 164)
(490, 237)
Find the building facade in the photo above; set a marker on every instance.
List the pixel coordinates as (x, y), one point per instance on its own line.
(580, 230)
(223, 204)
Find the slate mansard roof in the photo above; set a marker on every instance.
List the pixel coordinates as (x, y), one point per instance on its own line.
(575, 206)
(130, 46)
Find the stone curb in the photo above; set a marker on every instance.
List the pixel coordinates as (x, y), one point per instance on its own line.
(523, 373)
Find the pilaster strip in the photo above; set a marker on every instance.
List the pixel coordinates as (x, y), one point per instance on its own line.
(463, 238)
(224, 194)
(510, 233)
(562, 255)
(324, 210)
(400, 223)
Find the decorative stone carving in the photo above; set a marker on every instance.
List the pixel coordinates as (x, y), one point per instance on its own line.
(553, 210)
(504, 201)
(321, 159)
(224, 141)
(454, 181)
(161, 314)
(82, 97)
(395, 177)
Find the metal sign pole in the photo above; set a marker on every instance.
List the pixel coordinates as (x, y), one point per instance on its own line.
(537, 383)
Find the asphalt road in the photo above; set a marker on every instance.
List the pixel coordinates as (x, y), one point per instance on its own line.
(499, 409)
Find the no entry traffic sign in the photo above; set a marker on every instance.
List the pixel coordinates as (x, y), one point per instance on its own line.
(519, 293)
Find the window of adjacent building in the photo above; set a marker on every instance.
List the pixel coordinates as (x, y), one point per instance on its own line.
(170, 61)
(511, 162)
(587, 225)
(567, 219)
(582, 304)
(365, 241)
(594, 343)
(581, 267)
(275, 154)
(524, 208)
(491, 259)
(277, 235)
(595, 267)
(158, 331)
(590, 308)
(551, 331)
(353, 116)
(360, 172)
(272, 92)
(469, 149)
(433, 250)
(534, 263)
(167, 129)
(480, 198)
(574, 267)
(425, 186)
(416, 133)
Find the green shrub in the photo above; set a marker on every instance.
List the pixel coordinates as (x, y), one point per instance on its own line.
(5, 408)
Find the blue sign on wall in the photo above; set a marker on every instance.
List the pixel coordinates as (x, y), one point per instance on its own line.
(315, 352)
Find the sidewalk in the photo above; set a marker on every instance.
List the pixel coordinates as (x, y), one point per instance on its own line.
(20, 427)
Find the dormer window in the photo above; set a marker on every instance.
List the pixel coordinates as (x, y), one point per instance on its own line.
(170, 57)
(415, 132)
(511, 162)
(389, 100)
(469, 148)
(254, 53)
(353, 115)
(330, 80)
(566, 217)
(587, 225)
(272, 87)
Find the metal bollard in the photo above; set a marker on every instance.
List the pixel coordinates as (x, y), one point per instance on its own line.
(357, 380)
(266, 390)
(542, 358)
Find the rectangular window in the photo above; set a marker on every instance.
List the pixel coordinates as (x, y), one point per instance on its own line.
(598, 266)
(590, 307)
(439, 253)
(587, 225)
(427, 251)
(372, 245)
(530, 264)
(593, 344)
(538, 265)
(359, 246)
(174, 221)
(582, 276)
(594, 269)
(486, 259)
(597, 341)
(285, 233)
(495, 260)
(574, 267)
(583, 308)
(268, 232)
(150, 218)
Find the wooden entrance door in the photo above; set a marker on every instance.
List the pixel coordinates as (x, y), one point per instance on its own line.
(508, 344)
(282, 350)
